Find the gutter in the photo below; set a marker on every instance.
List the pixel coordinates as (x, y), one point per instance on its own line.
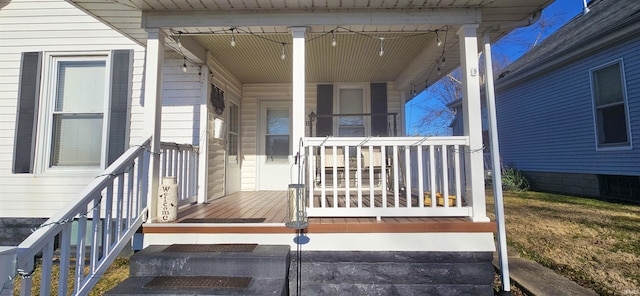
(515, 25)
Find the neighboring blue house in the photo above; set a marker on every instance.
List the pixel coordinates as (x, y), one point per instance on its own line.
(569, 109)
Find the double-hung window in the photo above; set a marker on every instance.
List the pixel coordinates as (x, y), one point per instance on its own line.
(610, 107)
(351, 122)
(73, 110)
(78, 113)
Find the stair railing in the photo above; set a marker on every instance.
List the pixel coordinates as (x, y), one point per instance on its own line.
(87, 235)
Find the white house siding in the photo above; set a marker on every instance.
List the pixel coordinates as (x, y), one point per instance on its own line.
(254, 93)
(48, 26)
(183, 101)
(222, 79)
(546, 123)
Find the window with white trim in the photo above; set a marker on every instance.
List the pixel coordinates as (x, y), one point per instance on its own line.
(351, 101)
(234, 131)
(77, 117)
(609, 103)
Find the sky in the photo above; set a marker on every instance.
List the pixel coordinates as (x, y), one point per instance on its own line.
(511, 46)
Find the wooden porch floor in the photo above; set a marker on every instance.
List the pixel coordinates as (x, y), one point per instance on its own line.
(272, 205)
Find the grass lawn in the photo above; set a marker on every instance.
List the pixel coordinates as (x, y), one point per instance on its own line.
(592, 242)
(116, 273)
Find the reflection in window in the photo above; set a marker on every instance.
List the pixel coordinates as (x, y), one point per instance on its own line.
(351, 102)
(609, 102)
(78, 113)
(277, 137)
(234, 129)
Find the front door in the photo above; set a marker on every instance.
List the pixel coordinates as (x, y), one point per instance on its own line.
(274, 145)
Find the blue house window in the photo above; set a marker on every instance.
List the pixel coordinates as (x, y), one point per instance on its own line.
(610, 111)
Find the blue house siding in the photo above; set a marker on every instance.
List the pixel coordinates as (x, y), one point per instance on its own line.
(546, 122)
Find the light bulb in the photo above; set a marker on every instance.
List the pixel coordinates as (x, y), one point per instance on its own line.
(439, 42)
(333, 40)
(179, 43)
(233, 40)
(381, 52)
(439, 71)
(283, 55)
(443, 61)
(184, 66)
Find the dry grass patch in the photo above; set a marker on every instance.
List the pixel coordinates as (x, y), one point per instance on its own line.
(594, 243)
(116, 273)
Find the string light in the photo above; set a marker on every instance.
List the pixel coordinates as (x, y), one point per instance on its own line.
(334, 42)
(283, 55)
(442, 61)
(184, 65)
(333, 39)
(233, 38)
(439, 70)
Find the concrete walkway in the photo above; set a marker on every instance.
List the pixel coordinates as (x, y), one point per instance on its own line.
(537, 280)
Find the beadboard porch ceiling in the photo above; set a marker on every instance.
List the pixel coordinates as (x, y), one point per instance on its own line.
(411, 54)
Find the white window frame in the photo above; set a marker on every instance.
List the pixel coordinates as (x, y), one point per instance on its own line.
(366, 108)
(237, 133)
(610, 147)
(47, 105)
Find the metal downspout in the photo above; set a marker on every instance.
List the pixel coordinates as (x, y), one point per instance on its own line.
(496, 172)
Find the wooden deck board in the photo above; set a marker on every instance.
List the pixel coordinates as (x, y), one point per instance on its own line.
(272, 205)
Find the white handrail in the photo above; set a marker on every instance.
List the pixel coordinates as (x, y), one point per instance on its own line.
(122, 188)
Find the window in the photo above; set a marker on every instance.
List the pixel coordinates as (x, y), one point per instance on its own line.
(277, 135)
(234, 129)
(609, 101)
(78, 117)
(81, 117)
(351, 101)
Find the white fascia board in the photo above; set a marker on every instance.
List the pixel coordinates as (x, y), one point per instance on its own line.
(190, 48)
(301, 18)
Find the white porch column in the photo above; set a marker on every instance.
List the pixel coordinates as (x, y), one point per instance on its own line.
(298, 81)
(473, 120)
(153, 111)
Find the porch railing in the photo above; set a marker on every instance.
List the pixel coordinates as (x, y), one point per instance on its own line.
(181, 161)
(386, 176)
(89, 232)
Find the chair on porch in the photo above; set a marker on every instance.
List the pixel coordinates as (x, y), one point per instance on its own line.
(329, 163)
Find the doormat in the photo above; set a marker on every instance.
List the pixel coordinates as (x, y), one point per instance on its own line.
(223, 220)
(211, 248)
(198, 282)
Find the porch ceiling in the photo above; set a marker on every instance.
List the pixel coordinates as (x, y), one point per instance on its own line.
(410, 52)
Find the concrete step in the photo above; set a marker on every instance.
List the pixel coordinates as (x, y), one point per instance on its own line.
(269, 261)
(393, 273)
(258, 286)
(397, 289)
(263, 271)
